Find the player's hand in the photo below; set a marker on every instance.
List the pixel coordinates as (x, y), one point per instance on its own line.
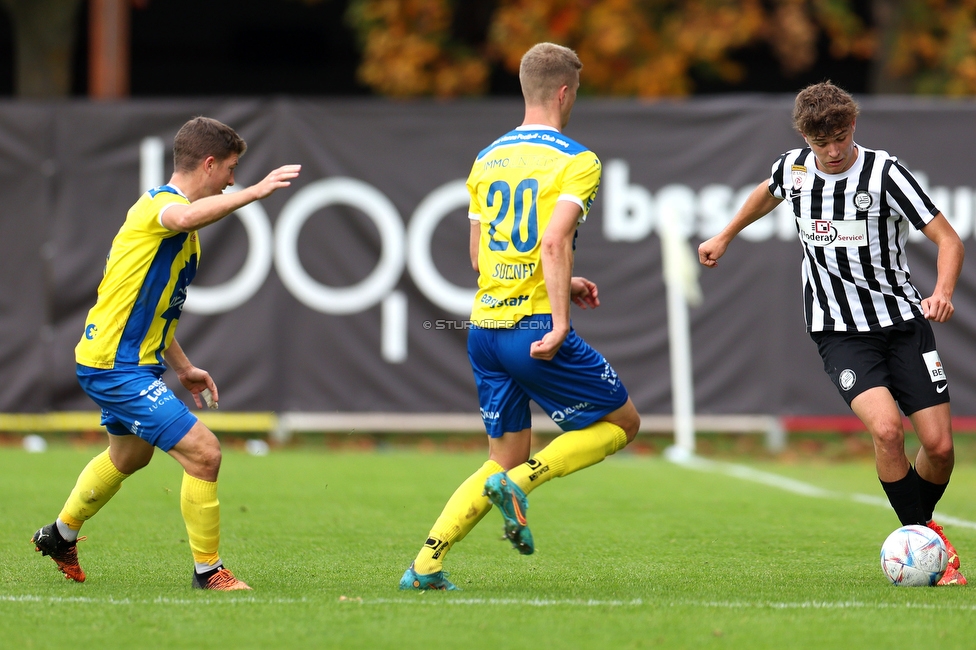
(584, 293)
(196, 380)
(547, 347)
(937, 308)
(710, 250)
(276, 180)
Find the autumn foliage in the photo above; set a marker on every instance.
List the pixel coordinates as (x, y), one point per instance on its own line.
(653, 48)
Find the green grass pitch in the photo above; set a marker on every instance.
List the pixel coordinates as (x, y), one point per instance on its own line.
(633, 553)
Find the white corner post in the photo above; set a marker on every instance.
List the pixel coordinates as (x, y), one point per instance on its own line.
(681, 282)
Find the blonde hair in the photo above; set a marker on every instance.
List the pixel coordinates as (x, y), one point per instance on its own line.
(546, 68)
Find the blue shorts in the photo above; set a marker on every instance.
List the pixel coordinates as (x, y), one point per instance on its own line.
(135, 400)
(576, 388)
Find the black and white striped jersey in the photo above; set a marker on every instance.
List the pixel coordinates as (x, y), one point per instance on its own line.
(853, 227)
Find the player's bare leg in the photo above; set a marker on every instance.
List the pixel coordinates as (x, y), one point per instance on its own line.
(878, 411)
(912, 491)
(934, 464)
(936, 457)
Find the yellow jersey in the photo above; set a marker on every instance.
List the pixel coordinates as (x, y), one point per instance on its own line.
(141, 295)
(514, 185)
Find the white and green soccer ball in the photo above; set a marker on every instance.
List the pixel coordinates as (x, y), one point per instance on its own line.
(914, 556)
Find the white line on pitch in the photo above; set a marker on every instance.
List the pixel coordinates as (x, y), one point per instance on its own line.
(109, 600)
(447, 600)
(797, 487)
(420, 599)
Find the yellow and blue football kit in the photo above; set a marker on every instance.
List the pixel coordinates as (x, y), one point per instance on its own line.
(514, 186)
(140, 299)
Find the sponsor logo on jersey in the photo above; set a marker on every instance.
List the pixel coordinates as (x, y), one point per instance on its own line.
(91, 331)
(494, 302)
(833, 233)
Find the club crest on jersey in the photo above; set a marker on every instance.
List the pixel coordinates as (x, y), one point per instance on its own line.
(799, 174)
(863, 200)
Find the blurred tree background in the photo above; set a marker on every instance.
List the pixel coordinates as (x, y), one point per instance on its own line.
(449, 48)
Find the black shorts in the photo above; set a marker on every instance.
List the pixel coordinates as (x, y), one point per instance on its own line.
(902, 358)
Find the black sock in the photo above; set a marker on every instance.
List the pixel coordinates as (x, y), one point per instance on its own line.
(904, 497)
(929, 494)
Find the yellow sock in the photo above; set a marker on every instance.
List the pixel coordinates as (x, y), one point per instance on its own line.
(201, 514)
(568, 453)
(463, 511)
(97, 483)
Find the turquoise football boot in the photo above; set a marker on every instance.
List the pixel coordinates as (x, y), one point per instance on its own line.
(413, 580)
(513, 504)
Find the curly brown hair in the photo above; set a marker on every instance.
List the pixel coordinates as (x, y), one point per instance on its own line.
(823, 109)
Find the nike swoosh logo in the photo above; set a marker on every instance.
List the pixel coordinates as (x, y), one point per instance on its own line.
(940, 389)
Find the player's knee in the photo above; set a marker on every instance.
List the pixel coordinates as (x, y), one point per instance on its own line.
(629, 421)
(889, 434)
(632, 427)
(941, 452)
(130, 463)
(210, 459)
(138, 463)
(204, 461)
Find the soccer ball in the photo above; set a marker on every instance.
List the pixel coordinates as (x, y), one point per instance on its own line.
(914, 556)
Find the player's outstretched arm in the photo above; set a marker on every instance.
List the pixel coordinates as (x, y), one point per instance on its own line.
(194, 379)
(205, 211)
(759, 203)
(938, 306)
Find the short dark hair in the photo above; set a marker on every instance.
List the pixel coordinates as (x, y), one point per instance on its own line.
(823, 109)
(544, 69)
(202, 137)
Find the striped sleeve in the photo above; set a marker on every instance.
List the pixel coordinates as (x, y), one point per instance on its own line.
(777, 186)
(906, 196)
